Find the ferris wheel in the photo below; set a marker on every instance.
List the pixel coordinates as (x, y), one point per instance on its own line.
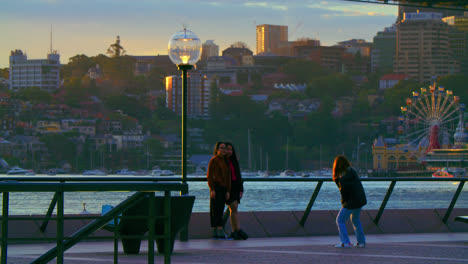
(431, 120)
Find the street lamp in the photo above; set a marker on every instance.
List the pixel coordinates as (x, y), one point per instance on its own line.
(184, 50)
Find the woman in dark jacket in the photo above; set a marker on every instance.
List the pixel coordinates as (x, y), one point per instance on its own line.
(237, 190)
(353, 198)
(219, 180)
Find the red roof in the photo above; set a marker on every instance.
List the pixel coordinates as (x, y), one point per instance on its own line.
(394, 76)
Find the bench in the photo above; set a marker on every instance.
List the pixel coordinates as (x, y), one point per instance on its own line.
(463, 219)
(181, 210)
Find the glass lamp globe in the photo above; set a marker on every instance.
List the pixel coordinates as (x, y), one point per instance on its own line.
(184, 47)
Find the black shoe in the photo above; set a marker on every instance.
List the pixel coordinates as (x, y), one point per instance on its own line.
(236, 236)
(242, 234)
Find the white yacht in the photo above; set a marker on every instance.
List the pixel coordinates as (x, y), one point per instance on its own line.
(125, 172)
(288, 173)
(19, 171)
(94, 172)
(158, 172)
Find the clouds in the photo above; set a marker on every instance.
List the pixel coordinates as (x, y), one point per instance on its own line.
(340, 8)
(267, 5)
(89, 26)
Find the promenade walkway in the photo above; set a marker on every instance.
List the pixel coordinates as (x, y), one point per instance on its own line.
(446, 248)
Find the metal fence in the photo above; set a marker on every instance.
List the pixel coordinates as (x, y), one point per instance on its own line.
(78, 184)
(61, 184)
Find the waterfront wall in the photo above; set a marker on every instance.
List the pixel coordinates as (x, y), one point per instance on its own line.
(280, 224)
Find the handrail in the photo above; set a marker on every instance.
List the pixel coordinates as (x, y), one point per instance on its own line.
(11, 184)
(319, 180)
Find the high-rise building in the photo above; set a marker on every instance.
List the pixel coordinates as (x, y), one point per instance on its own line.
(42, 73)
(423, 48)
(384, 50)
(270, 37)
(198, 94)
(356, 45)
(417, 9)
(458, 40)
(209, 49)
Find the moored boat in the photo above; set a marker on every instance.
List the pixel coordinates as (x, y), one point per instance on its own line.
(19, 171)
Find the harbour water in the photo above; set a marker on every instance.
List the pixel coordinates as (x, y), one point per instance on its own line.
(265, 196)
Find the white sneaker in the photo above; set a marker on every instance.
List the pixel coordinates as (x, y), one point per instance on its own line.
(342, 245)
(357, 245)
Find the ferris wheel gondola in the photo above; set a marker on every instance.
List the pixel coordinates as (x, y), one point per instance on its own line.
(431, 120)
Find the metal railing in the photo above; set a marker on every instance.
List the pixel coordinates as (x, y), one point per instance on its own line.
(60, 185)
(140, 183)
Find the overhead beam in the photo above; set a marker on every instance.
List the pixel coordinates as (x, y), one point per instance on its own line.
(460, 5)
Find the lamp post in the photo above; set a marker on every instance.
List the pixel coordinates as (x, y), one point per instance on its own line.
(184, 50)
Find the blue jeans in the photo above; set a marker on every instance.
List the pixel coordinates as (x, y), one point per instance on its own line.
(341, 219)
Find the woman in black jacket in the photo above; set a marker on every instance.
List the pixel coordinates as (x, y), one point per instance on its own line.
(237, 190)
(353, 198)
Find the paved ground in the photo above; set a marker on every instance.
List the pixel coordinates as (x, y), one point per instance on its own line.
(396, 248)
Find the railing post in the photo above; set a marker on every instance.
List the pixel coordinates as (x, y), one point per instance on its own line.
(151, 221)
(116, 239)
(311, 202)
(454, 200)
(167, 227)
(60, 225)
(226, 216)
(384, 202)
(5, 227)
(49, 213)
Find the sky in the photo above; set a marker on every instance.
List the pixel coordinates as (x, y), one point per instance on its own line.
(145, 26)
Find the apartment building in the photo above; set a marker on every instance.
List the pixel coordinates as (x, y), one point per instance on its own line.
(198, 94)
(384, 49)
(42, 73)
(423, 51)
(270, 37)
(209, 49)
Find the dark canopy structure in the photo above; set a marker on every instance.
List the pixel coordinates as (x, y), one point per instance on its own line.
(461, 5)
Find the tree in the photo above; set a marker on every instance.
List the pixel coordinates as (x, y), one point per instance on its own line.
(333, 85)
(395, 97)
(77, 66)
(35, 95)
(4, 73)
(302, 70)
(240, 44)
(60, 147)
(456, 83)
(116, 50)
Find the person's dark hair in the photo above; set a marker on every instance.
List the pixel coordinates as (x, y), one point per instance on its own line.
(216, 148)
(233, 158)
(340, 165)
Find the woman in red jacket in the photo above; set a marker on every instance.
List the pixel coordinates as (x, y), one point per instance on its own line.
(237, 190)
(219, 180)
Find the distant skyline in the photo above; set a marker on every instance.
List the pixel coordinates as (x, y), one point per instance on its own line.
(145, 26)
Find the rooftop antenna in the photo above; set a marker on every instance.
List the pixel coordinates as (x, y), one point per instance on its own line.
(51, 51)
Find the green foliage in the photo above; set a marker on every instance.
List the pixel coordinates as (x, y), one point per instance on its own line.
(77, 66)
(395, 97)
(457, 83)
(35, 95)
(4, 73)
(303, 71)
(60, 147)
(129, 105)
(333, 85)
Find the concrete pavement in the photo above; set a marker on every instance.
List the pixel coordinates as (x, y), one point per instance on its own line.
(423, 248)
